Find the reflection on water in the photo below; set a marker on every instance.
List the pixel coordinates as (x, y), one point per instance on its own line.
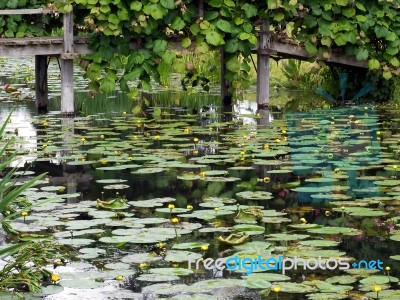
(306, 160)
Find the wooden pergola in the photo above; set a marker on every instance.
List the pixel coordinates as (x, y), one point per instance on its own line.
(69, 47)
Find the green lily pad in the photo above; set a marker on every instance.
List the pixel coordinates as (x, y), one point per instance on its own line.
(171, 271)
(319, 243)
(249, 229)
(181, 256)
(259, 195)
(334, 230)
(192, 245)
(157, 278)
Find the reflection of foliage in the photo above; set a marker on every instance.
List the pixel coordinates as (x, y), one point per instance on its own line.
(192, 81)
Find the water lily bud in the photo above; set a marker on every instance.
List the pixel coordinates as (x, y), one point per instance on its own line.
(120, 278)
(189, 207)
(387, 268)
(277, 289)
(171, 206)
(204, 248)
(266, 179)
(143, 266)
(175, 220)
(196, 140)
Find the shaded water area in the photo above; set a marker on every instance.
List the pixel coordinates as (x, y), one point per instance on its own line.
(139, 196)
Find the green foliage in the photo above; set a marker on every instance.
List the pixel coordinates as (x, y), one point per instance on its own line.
(17, 274)
(368, 30)
(19, 26)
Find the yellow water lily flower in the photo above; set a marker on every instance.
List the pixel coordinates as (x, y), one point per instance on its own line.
(377, 288)
(171, 206)
(189, 207)
(175, 220)
(55, 277)
(120, 278)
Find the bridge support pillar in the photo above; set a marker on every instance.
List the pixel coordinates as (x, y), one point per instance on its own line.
(41, 85)
(263, 67)
(226, 95)
(67, 67)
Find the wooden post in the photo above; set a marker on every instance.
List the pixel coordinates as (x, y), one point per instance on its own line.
(263, 66)
(225, 94)
(201, 9)
(67, 67)
(41, 85)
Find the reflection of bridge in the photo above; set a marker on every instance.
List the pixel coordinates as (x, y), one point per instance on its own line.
(68, 48)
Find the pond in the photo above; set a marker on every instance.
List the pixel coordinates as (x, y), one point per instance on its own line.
(139, 198)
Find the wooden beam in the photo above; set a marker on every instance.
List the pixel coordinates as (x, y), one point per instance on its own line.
(263, 67)
(41, 85)
(34, 11)
(67, 68)
(290, 50)
(51, 46)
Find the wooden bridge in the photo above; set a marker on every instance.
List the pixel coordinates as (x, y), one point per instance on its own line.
(69, 47)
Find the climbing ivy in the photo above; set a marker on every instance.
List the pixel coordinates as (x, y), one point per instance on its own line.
(131, 38)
